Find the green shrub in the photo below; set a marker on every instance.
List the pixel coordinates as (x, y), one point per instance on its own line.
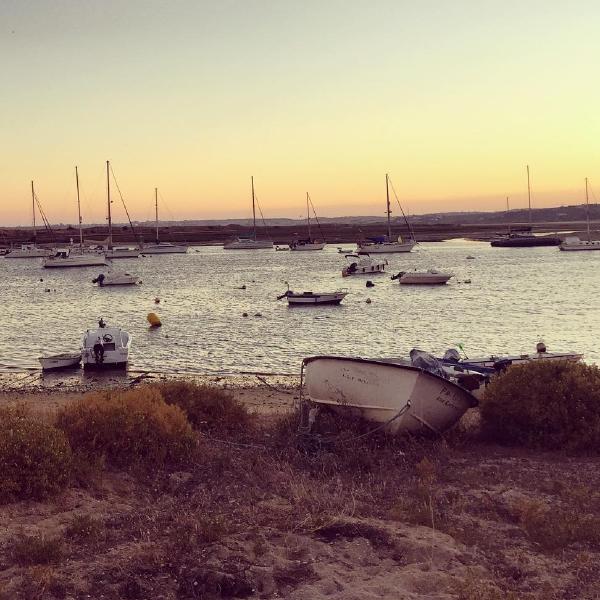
(129, 428)
(549, 404)
(208, 408)
(35, 458)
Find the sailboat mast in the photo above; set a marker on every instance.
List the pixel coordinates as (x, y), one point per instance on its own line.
(110, 238)
(79, 210)
(529, 194)
(253, 208)
(508, 214)
(156, 211)
(389, 212)
(587, 210)
(308, 215)
(33, 212)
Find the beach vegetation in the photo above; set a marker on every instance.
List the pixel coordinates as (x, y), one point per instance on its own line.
(129, 428)
(545, 404)
(37, 549)
(35, 457)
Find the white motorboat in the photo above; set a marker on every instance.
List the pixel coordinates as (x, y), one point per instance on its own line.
(63, 257)
(65, 360)
(29, 251)
(250, 243)
(430, 277)
(282, 248)
(363, 265)
(399, 397)
(116, 278)
(386, 244)
(344, 250)
(162, 247)
(313, 298)
(105, 347)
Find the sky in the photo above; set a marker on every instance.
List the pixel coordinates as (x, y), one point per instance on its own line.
(453, 98)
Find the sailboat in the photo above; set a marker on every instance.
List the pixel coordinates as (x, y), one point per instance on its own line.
(308, 243)
(573, 243)
(30, 250)
(249, 243)
(524, 239)
(63, 257)
(116, 251)
(385, 244)
(162, 247)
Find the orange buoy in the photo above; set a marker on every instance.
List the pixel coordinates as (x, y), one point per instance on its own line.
(154, 320)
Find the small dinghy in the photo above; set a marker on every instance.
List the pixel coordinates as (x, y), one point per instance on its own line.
(113, 278)
(345, 250)
(430, 277)
(105, 347)
(400, 397)
(66, 360)
(363, 265)
(313, 298)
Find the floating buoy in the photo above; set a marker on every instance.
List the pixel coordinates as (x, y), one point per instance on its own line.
(244, 314)
(258, 314)
(467, 281)
(368, 300)
(470, 257)
(154, 320)
(370, 283)
(157, 300)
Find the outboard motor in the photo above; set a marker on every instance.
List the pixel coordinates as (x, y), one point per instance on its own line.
(393, 277)
(98, 279)
(451, 355)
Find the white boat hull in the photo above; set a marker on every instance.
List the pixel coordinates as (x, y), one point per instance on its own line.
(386, 247)
(378, 391)
(29, 253)
(310, 299)
(490, 361)
(307, 247)
(364, 268)
(248, 245)
(164, 249)
(424, 278)
(60, 361)
(82, 260)
(115, 348)
(574, 244)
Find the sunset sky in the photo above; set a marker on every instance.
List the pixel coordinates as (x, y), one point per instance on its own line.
(451, 97)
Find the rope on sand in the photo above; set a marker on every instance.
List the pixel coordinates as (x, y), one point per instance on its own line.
(274, 387)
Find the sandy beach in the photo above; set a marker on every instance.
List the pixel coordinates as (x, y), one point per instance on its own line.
(256, 518)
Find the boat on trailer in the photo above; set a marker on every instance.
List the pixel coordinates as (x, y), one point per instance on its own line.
(398, 397)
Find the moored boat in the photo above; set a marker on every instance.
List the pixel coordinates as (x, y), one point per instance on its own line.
(116, 278)
(573, 243)
(105, 347)
(399, 397)
(430, 277)
(162, 247)
(63, 257)
(363, 265)
(313, 298)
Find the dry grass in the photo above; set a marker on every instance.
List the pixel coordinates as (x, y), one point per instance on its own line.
(128, 428)
(35, 458)
(37, 549)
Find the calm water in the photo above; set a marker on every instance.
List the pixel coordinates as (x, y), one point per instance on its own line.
(516, 297)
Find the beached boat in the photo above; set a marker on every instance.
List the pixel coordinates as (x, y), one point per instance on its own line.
(399, 397)
(250, 242)
(386, 244)
(105, 347)
(313, 298)
(363, 265)
(162, 247)
(309, 243)
(430, 277)
(66, 360)
(116, 278)
(502, 361)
